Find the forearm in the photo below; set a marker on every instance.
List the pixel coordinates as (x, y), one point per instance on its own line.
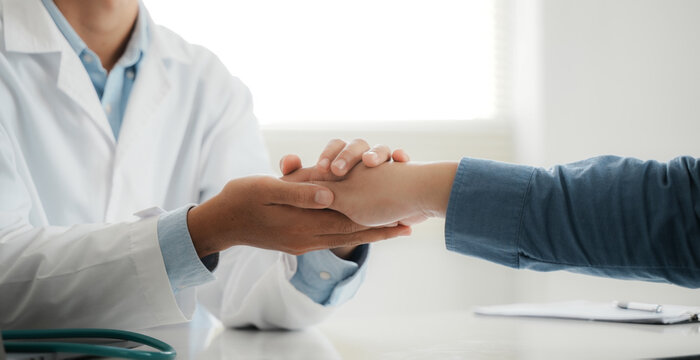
(205, 224)
(604, 216)
(435, 184)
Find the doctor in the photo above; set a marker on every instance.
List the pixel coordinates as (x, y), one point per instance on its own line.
(105, 115)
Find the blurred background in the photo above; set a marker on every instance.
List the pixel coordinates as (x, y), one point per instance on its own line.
(537, 82)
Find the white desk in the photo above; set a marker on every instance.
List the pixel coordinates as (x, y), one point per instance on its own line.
(452, 335)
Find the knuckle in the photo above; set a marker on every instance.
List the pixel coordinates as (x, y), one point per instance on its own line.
(384, 233)
(262, 186)
(359, 238)
(230, 185)
(336, 242)
(349, 227)
(360, 142)
(299, 197)
(382, 148)
(335, 224)
(345, 154)
(248, 186)
(261, 182)
(336, 143)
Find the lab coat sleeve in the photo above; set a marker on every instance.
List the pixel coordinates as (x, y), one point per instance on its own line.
(88, 275)
(606, 216)
(253, 285)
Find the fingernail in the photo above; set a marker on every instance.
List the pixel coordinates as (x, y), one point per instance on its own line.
(323, 197)
(406, 232)
(324, 163)
(340, 164)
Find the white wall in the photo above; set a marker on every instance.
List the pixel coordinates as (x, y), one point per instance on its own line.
(605, 77)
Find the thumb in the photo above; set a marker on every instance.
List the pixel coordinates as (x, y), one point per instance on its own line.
(301, 195)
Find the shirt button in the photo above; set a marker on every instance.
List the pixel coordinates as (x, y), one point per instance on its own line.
(130, 74)
(87, 58)
(108, 108)
(324, 275)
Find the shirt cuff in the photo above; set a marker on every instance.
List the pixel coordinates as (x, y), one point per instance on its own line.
(183, 266)
(485, 210)
(328, 279)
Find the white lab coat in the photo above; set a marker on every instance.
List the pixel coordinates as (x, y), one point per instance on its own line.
(72, 254)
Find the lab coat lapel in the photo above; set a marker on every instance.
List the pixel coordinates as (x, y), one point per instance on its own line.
(30, 29)
(151, 87)
(74, 81)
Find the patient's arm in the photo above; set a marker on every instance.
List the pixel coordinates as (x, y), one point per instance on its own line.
(394, 192)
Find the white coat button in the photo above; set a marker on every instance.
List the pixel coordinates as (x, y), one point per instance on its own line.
(108, 108)
(130, 74)
(87, 58)
(324, 275)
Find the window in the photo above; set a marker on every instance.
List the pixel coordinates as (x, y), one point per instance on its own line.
(349, 61)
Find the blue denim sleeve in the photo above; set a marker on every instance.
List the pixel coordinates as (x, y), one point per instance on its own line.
(327, 279)
(606, 216)
(183, 266)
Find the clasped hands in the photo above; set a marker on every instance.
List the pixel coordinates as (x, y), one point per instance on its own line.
(353, 195)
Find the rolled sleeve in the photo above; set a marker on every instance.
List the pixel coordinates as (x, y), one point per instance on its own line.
(328, 279)
(485, 210)
(183, 266)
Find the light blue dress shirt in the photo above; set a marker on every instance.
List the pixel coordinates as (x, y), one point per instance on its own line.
(321, 275)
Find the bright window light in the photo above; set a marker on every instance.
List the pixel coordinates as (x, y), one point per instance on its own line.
(349, 61)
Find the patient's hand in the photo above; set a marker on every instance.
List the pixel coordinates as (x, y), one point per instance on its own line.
(393, 193)
(334, 163)
(337, 159)
(379, 196)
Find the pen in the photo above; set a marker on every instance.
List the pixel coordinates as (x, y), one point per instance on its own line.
(656, 308)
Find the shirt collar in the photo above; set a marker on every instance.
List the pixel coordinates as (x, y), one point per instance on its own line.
(135, 48)
(138, 43)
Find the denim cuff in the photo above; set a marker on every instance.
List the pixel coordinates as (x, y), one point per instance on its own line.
(485, 209)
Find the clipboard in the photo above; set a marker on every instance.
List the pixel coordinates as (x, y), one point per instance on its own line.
(594, 311)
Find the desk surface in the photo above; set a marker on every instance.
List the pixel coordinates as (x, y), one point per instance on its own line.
(450, 335)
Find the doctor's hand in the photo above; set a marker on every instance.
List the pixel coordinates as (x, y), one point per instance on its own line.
(269, 213)
(394, 192)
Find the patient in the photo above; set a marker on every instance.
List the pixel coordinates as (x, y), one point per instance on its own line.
(606, 216)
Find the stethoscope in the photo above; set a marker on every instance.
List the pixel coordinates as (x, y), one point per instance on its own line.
(165, 352)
